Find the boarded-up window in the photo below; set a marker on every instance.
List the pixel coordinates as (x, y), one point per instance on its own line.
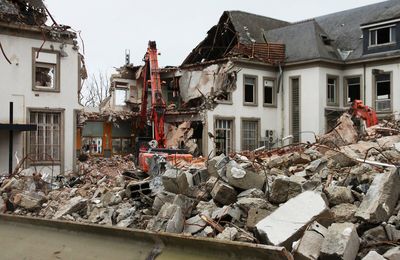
(249, 134)
(45, 144)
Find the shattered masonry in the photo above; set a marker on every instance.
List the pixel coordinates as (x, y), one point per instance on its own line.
(302, 197)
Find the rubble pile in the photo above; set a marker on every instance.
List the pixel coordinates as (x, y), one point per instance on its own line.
(334, 199)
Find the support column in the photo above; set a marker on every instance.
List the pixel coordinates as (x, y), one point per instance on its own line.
(107, 140)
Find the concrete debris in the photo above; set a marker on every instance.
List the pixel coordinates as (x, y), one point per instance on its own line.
(175, 181)
(393, 254)
(381, 198)
(285, 224)
(309, 246)
(341, 242)
(373, 255)
(278, 197)
(224, 193)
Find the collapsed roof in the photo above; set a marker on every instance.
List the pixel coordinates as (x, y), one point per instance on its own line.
(235, 34)
(30, 12)
(335, 37)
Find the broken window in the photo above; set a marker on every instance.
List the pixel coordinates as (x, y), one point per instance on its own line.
(121, 96)
(352, 89)
(45, 71)
(269, 92)
(383, 35)
(45, 144)
(250, 90)
(383, 92)
(332, 91)
(225, 97)
(223, 136)
(250, 134)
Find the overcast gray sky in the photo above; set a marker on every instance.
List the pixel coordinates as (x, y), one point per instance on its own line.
(110, 27)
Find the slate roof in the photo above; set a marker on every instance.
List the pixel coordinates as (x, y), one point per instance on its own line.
(251, 26)
(303, 42)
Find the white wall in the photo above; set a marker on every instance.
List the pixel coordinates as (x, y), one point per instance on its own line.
(16, 86)
(269, 117)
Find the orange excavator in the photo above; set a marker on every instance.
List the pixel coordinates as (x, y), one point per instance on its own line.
(156, 144)
(359, 111)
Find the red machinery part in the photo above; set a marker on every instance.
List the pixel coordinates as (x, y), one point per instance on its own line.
(366, 113)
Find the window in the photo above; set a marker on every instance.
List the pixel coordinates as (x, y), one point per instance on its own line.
(383, 35)
(225, 97)
(383, 92)
(250, 90)
(45, 71)
(352, 89)
(269, 93)
(332, 91)
(92, 145)
(45, 144)
(223, 136)
(121, 145)
(250, 135)
(121, 96)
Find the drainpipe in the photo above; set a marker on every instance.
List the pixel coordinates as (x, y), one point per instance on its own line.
(364, 84)
(282, 105)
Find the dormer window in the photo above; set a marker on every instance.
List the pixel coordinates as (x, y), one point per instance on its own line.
(382, 35)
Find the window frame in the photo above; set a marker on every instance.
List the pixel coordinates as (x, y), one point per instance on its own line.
(391, 36)
(126, 95)
(336, 93)
(345, 88)
(61, 140)
(274, 94)
(375, 89)
(228, 101)
(255, 90)
(56, 88)
(258, 128)
(232, 119)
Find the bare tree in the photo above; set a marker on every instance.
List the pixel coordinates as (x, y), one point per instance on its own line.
(95, 89)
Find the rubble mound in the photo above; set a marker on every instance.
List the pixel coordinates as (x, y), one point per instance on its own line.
(318, 200)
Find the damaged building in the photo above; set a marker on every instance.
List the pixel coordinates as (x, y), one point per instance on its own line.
(255, 81)
(40, 80)
(291, 81)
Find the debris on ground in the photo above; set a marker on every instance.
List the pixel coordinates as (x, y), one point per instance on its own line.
(337, 198)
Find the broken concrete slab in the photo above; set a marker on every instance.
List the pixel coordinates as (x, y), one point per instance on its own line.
(111, 198)
(29, 202)
(373, 255)
(284, 188)
(161, 198)
(185, 203)
(388, 141)
(338, 195)
(73, 205)
(344, 133)
(255, 215)
(242, 178)
(341, 242)
(195, 224)
(217, 163)
(285, 225)
(381, 198)
(223, 193)
(247, 203)
(231, 212)
(344, 213)
(252, 193)
(309, 246)
(229, 233)
(169, 219)
(393, 254)
(175, 181)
